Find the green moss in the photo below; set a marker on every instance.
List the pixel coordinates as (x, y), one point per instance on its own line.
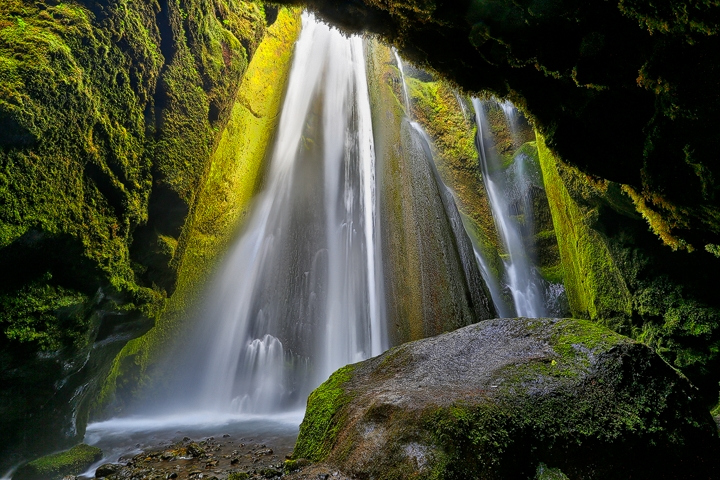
(291, 465)
(221, 204)
(473, 439)
(48, 315)
(437, 107)
(238, 476)
(594, 285)
(323, 417)
(594, 339)
(545, 473)
(52, 467)
(714, 249)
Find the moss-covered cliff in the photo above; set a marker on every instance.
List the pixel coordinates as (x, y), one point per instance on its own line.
(236, 168)
(430, 287)
(618, 274)
(110, 111)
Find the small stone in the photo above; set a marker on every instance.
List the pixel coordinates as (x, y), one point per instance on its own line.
(270, 473)
(195, 450)
(107, 469)
(227, 435)
(171, 475)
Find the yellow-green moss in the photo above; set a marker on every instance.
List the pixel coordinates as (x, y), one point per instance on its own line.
(662, 224)
(395, 208)
(52, 467)
(322, 422)
(74, 175)
(223, 202)
(594, 285)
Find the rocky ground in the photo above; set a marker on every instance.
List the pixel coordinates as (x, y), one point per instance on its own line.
(214, 458)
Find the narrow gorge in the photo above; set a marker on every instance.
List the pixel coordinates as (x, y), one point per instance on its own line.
(434, 241)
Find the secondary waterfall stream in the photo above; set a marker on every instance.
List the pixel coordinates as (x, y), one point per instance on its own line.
(510, 201)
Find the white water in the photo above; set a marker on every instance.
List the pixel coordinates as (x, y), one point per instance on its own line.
(398, 60)
(300, 293)
(510, 199)
(126, 437)
(467, 251)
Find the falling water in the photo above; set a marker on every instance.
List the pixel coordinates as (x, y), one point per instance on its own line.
(398, 60)
(300, 294)
(470, 278)
(468, 255)
(510, 113)
(510, 201)
(457, 221)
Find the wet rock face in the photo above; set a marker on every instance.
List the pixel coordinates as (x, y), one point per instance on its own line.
(499, 398)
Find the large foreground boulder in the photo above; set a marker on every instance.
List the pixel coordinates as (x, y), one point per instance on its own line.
(512, 398)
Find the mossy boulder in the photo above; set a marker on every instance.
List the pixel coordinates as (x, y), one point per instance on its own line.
(512, 398)
(55, 466)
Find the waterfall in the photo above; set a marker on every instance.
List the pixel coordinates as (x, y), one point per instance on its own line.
(300, 294)
(510, 201)
(406, 96)
(494, 289)
(454, 241)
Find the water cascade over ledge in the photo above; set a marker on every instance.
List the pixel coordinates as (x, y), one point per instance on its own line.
(300, 294)
(511, 206)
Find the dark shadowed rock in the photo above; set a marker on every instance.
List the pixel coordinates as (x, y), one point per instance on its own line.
(107, 469)
(509, 398)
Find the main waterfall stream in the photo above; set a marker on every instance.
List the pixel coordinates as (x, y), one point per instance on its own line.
(300, 294)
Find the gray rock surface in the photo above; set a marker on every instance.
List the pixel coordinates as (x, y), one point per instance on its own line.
(500, 398)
